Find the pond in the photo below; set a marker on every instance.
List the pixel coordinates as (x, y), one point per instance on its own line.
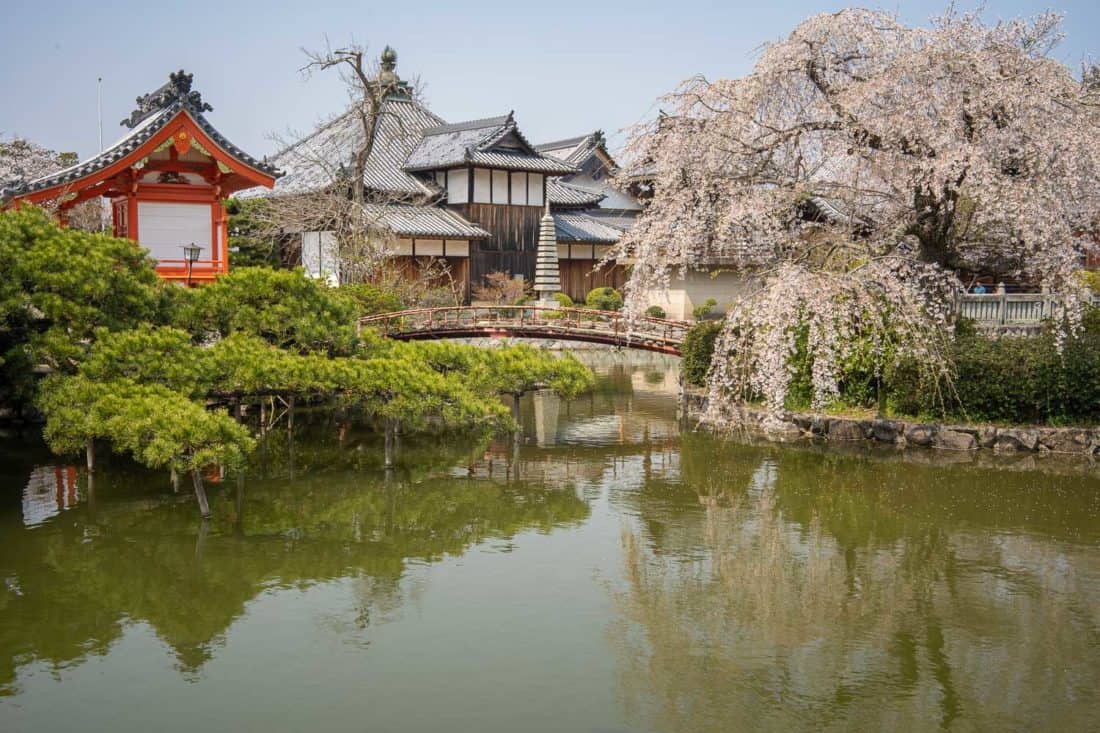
(612, 571)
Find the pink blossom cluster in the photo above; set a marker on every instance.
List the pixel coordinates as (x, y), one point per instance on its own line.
(855, 170)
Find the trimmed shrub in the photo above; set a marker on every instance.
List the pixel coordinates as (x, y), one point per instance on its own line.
(604, 299)
(698, 351)
(655, 311)
(700, 312)
(564, 300)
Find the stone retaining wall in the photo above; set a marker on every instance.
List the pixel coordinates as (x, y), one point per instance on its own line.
(905, 433)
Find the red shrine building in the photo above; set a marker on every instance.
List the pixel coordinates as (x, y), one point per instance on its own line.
(166, 180)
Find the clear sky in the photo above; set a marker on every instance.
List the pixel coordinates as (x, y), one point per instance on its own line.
(565, 67)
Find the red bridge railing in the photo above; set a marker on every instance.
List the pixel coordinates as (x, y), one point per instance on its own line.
(532, 321)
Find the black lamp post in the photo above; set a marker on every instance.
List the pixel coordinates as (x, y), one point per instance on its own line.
(190, 254)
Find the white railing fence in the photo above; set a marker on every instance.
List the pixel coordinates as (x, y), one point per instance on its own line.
(1009, 309)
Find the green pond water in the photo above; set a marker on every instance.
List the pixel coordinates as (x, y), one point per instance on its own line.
(613, 572)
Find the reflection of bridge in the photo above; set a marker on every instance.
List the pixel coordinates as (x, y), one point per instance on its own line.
(532, 321)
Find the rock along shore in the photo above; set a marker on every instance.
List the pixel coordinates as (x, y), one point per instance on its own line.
(901, 433)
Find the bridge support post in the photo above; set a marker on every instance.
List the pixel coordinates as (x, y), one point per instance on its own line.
(517, 434)
(390, 440)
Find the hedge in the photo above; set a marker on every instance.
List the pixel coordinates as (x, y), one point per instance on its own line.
(1011, 380)
(698, 350)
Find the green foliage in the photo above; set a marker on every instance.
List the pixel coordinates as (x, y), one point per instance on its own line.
(564, 300)
(59, 286)
(520, 368)
(604, 299)
(1091, 278)
(510, 370)
(141, 386)
(697, 351)
(1090, 322)
(283, 307)
(700, 312)
(250, 235)
(158, 427)
(369, 300)
(147, 355)
(1017, 380)
(655, 311)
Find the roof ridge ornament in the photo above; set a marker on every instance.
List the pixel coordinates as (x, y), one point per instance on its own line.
(177, 89)
(388, 83)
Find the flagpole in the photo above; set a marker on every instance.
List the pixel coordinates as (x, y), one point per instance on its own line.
(99, 108)
(104, 205)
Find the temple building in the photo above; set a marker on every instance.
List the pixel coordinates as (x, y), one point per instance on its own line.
(469, 194)
(166, 180)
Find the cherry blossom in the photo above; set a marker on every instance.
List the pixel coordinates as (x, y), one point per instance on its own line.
(857, 168)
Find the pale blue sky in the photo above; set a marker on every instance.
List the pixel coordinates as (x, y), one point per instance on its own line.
(566, 68)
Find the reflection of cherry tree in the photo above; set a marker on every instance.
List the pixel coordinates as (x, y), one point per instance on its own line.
(776, 624)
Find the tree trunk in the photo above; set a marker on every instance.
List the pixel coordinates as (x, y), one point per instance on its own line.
(237, 409)
(89, 451)
(200, 493)
(290, 414)
(175, 476)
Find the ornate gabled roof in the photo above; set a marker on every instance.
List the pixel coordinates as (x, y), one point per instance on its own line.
(405, 220)
(178, 87)
(575, 150)
(574, 227)
(482, 142)
(154, 112)
(318, 160)
(565, 194)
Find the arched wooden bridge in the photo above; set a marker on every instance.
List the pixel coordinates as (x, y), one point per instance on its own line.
(534, 322)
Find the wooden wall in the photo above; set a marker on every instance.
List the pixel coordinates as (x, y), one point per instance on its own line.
(577, 278)
(459, 267)
(514, 242)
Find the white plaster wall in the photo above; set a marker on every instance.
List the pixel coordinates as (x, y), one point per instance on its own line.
(500, 187)
(519, 189)
(685, 294)
(163, 229)
(319, 256)
(457, 187)
(534, 189)
(481, 186)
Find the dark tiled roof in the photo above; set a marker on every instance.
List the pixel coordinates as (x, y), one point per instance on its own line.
(575, 150)
(621, 219)
(423, 221)
(145, 122)
(561, 193)
(476, 143)
(573, 227)
(485, 123)
(315, 162)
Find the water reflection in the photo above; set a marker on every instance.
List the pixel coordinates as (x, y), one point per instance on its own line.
(791, 590)
(71, 587)
(711, 585)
